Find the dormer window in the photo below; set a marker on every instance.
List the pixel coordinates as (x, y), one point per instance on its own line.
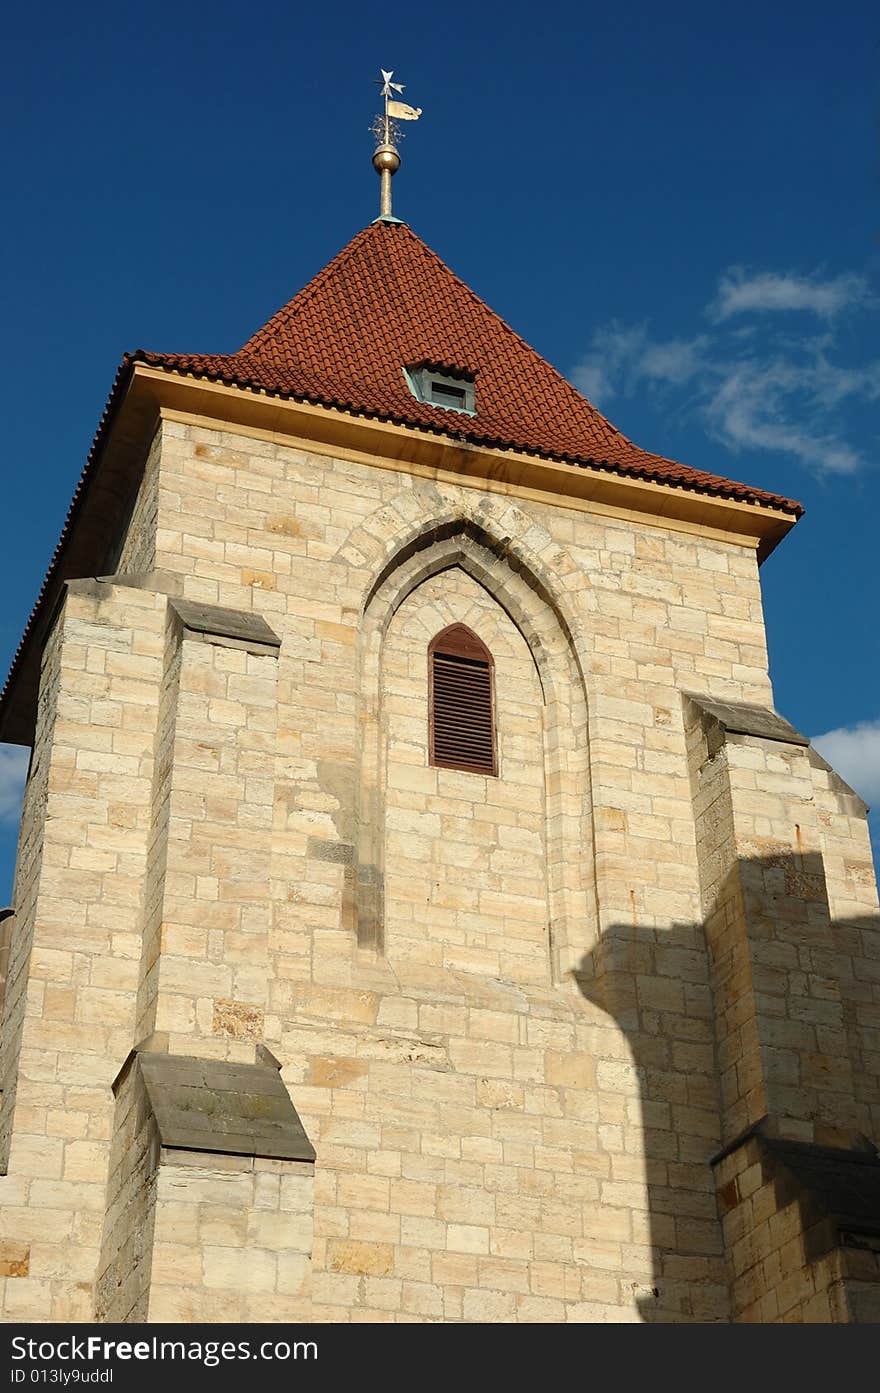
(450, 388)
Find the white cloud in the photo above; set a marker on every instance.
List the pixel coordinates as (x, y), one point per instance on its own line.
(676, 361)
(608, 360)
(593, 381)
(831, 384)
(13, 771)
(620, 358)
(762, 404)
(854, 751)
(741, 293)
(756, 386)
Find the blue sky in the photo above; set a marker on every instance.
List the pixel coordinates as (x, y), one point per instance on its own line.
(677, 205)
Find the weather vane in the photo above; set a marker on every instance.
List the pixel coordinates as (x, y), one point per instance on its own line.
(386, 157)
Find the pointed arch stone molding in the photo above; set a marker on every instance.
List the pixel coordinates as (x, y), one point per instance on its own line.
(400, 530)
(523, 570)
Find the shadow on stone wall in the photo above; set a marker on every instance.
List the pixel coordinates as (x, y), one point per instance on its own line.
(815, 986)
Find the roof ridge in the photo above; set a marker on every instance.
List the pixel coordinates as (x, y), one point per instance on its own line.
(423, 246)
(303, 297)
(387, 299)
(342, 343)
(268, 334)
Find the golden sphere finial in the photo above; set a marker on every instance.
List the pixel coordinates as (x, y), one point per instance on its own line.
(385, 157)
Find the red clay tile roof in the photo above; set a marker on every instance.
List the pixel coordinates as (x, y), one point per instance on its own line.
(384, 302)
(387, 301)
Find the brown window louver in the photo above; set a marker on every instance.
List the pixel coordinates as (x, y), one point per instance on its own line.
(461, 727)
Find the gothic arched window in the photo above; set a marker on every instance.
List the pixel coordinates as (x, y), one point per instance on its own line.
(461, 705)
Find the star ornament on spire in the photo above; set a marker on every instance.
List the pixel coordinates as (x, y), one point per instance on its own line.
(387, 85)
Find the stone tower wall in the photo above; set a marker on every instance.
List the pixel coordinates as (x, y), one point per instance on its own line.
(492, 998)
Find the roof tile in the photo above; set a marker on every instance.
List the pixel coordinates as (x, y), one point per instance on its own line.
(387, 301)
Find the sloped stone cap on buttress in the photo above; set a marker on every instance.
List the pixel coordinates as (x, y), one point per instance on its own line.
(842, 1186)
(211, 1105)
(740, 718)
(722, 720)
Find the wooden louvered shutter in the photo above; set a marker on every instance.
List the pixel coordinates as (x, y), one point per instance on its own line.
(462, 714)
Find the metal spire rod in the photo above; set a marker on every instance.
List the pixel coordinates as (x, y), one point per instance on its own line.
(386, 156)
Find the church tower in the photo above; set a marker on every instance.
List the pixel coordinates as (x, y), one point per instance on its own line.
(421, 911)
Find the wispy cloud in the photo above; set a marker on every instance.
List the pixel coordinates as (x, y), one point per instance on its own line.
(854, 751)
(765, 404)
(756, 386)
(742, 293)
(600, 375)
(13, 771)
(621, 358)
(676, 361)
